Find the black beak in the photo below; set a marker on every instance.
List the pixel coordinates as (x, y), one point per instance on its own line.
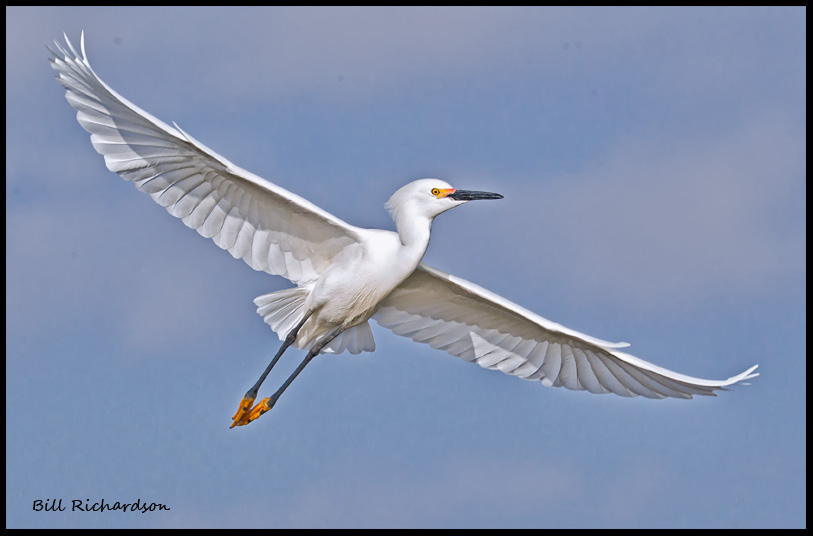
(471, 195)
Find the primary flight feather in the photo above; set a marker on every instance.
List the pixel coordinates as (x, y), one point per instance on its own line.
(346, 275)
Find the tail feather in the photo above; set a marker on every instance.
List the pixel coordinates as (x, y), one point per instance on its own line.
(354, 340)
(284, 309)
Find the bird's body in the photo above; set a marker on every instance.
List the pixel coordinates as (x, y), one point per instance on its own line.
(346, 275)
(349, 292)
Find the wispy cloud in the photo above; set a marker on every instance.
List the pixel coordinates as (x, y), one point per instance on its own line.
(657, 223)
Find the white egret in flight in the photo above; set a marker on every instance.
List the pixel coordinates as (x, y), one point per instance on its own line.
(346, 275)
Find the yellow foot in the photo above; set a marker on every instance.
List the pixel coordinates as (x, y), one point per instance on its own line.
(246, 417)
(242, 412)
(259, 409)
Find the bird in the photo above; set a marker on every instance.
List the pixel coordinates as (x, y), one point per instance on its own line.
(344, 275)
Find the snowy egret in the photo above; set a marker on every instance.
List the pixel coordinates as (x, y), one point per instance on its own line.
(346, 275)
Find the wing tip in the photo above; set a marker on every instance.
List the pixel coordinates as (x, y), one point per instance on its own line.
(82, 45)
(64, 52)
(748, 374)
(740, 378)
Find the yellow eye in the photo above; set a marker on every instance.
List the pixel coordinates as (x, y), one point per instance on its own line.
(435, 192)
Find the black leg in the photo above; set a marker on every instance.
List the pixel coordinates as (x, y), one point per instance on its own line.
(268, 403)
(289, 340)
(248, 400)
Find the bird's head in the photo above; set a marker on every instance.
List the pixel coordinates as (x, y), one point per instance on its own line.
(430, 197)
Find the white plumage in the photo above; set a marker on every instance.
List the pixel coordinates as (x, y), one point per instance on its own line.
(346, 275)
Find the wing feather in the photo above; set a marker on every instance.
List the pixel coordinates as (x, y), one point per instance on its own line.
(476, 325)
(268, 227)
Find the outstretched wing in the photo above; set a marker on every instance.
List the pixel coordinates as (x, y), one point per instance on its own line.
(467, 321)
(268, 227)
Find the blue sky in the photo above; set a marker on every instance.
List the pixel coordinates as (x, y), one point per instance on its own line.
(653, 167)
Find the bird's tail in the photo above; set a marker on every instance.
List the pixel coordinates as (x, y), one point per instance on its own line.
(284, 309)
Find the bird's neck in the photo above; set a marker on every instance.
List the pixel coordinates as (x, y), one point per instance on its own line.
(414, 231)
